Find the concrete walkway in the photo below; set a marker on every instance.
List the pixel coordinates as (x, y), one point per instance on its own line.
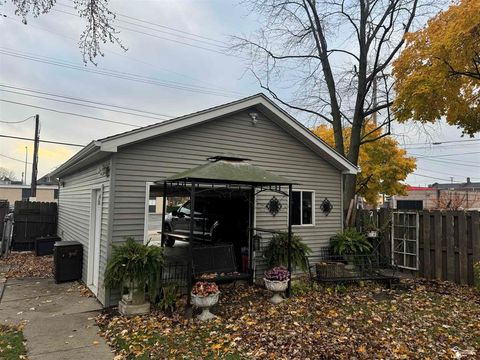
(59, 320)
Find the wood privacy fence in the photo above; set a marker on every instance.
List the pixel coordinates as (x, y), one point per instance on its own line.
(4, 207)
(448, 242)
(32, 220)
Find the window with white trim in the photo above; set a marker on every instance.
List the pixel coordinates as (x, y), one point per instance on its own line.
(303, 207)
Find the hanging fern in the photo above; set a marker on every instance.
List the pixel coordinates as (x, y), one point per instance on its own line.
(276, 253)
(133, 261)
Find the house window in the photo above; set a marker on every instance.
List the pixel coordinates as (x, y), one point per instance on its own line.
(303, 207)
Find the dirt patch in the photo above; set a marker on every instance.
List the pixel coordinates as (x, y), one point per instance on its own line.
(26, 265)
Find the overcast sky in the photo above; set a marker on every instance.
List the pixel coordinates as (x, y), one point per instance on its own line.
(164, 73)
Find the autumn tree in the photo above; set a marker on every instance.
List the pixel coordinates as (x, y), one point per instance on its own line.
(438, 73)
(330, 59)
(99, 19)
(384, 165)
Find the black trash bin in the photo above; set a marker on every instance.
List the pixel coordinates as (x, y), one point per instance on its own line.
(68, 259)
(44, 245)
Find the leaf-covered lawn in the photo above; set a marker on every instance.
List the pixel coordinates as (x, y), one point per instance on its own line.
(12, 345)
(422, 320)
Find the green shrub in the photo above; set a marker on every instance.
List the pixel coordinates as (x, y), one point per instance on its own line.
(133, 261)
(276, 253)
(350, 242)
(170, 298)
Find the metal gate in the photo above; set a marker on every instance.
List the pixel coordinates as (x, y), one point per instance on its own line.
(405, 244)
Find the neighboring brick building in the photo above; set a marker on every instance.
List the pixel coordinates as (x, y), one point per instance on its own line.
(453, 196)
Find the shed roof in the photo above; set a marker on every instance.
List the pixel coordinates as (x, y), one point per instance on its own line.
(232, 170)
(100, 149)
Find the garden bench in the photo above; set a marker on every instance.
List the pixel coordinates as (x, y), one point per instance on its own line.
(216, 259)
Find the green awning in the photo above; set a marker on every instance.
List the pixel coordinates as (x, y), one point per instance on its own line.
(229, 170)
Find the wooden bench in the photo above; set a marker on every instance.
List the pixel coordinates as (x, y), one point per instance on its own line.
(218, 259)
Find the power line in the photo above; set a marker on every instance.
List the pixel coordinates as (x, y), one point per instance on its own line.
(161, 26)
(79, 104)
(15, 159)
(442, 142)
(443, 173)
(430, 177)
(70, 113)
(123, 55)
(447, 155)
(114, 73)
(87, 101)
(16, 122)
(463, 163)
(44, 141)
(155, 36)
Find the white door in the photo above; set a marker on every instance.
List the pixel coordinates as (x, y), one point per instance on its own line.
(94, 244)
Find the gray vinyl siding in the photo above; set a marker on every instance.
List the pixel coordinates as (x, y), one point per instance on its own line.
(266, 144)
(74, 215)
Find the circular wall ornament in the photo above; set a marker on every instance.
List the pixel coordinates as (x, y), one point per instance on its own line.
(274, 206)
(326, 206)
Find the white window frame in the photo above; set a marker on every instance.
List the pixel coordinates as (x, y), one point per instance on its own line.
(146, 211)
(301, 191)
(404, 252)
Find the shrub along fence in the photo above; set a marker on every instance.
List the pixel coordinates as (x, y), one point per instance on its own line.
(32, 220)
(448, 241)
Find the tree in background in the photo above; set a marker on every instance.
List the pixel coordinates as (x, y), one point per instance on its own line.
(438, 73)
(99, 28)
(458, 200)
(383, 164)
(7, 173)
(334, 57)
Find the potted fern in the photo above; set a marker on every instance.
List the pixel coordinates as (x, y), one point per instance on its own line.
(134, 266)
(349, 243)
(276, 252)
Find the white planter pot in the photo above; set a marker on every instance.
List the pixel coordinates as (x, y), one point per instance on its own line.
(278, 287)
(205, 303)
(372, 234)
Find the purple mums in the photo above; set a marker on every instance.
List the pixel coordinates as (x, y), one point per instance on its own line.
(279, 273)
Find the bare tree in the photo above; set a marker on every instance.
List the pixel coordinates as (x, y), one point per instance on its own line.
(458, 200)
(332, 57)
(99, 29)
(7, 173)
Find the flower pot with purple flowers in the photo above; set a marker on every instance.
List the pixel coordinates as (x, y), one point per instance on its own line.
(276, 280)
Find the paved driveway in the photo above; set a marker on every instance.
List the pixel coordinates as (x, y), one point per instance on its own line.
(59, 320)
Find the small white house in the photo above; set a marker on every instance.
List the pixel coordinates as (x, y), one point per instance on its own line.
(110, 189)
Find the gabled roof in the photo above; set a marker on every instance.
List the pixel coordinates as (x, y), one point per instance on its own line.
(96, 150)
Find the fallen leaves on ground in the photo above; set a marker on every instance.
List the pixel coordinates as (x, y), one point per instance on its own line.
(25, 264)
(422, 319)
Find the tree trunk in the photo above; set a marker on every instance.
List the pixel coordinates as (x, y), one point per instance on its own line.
(350, 181)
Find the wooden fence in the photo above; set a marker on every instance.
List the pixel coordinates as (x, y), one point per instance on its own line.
(449, 242)
(32, 220)
(4, 208)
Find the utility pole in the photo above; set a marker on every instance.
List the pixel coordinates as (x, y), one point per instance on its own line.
(26, 157)
(33, 185)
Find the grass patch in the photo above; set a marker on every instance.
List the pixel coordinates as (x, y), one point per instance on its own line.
(12, 345)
